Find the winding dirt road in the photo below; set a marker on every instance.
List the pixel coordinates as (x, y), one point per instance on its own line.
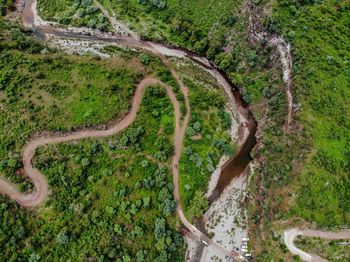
(290, 236)
(32, 21)
(40, 192)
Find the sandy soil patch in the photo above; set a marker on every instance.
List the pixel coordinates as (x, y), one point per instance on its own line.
(80, 47)
(226, 218)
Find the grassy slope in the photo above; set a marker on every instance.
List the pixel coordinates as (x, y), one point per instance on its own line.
(329, 249)
(66, 92)
(319, 38)
(181, 22)
(321, 78)
(53, 92)
(73, 12)
(309, 180)
(99, 186)
(223, 39)
(95, 184)
(203, 150)
(314, 158)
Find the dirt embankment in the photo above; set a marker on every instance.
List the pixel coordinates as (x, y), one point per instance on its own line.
(257, 33)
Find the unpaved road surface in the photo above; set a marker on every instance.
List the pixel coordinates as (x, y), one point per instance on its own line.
(291, 234)
(40, 192)
(30, 20)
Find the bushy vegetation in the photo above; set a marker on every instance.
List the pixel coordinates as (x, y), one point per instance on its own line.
(332, 250)
(5, 6)
(182, 22)
(207, 137)
(307, 171)
(52, 92)
(73, 12)
(110, 199)
(321, 79)
(206, 141)
(106, 194)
